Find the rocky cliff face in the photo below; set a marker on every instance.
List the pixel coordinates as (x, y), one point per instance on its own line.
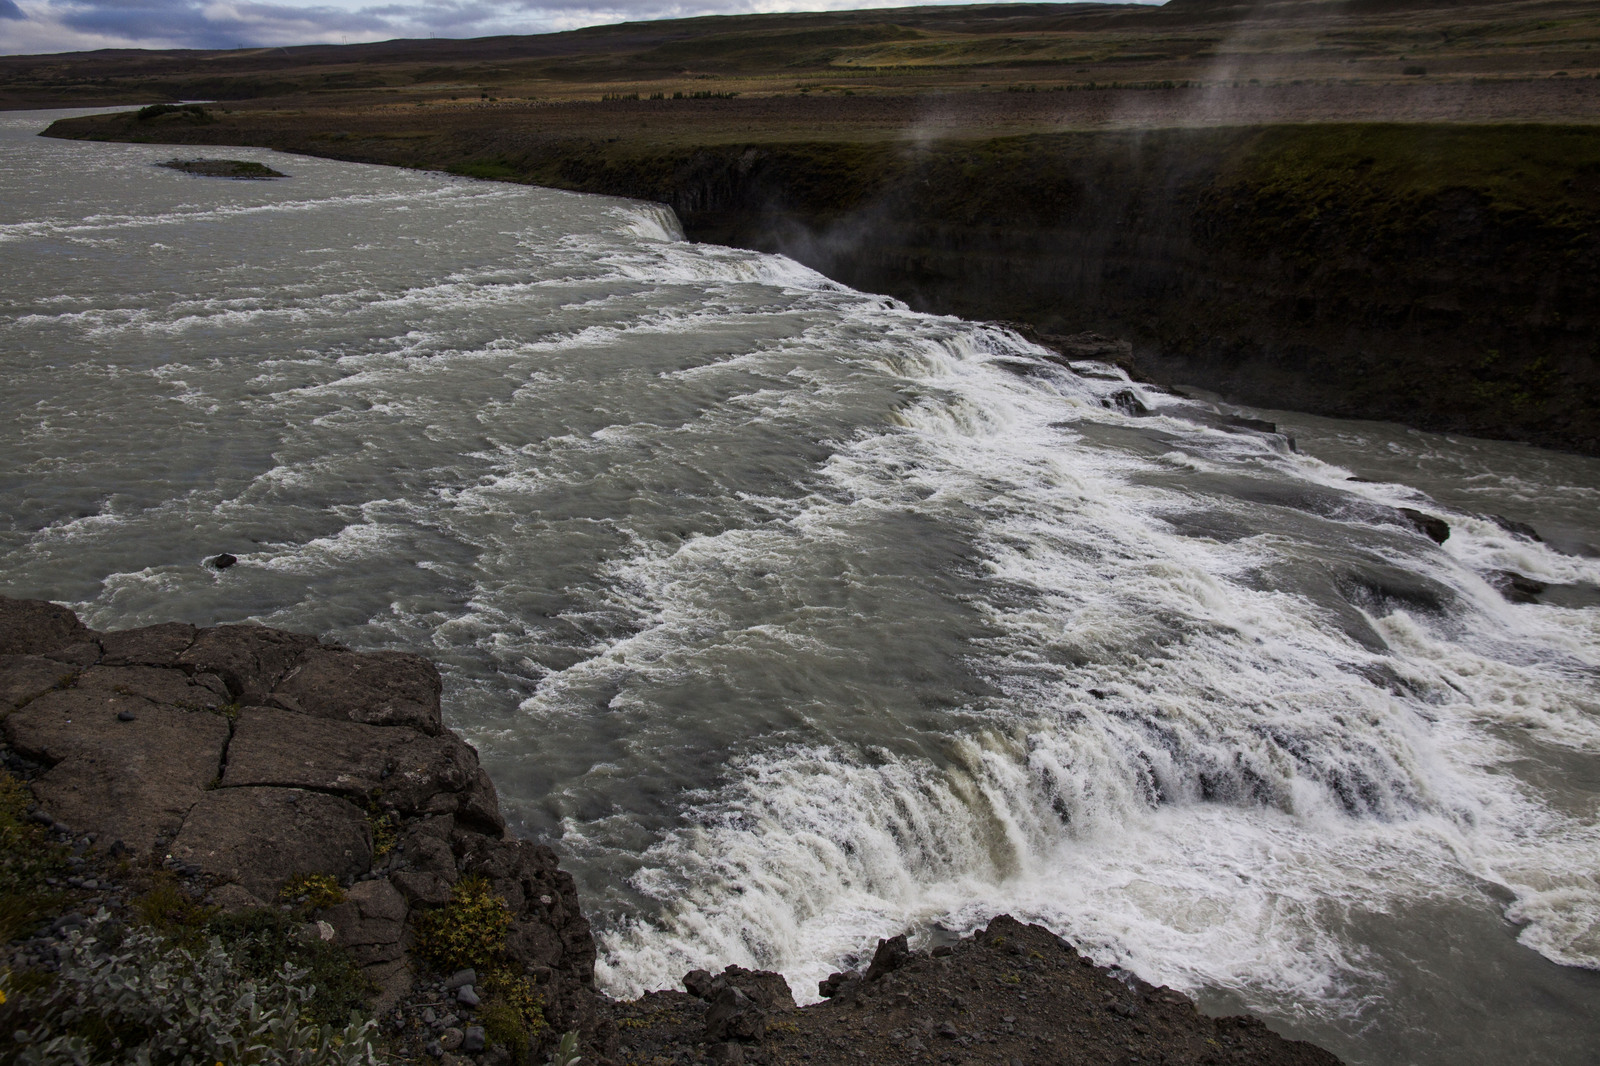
(242, 758)
(1437, 276)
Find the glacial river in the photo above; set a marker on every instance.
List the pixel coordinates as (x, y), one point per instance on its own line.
(794, 619)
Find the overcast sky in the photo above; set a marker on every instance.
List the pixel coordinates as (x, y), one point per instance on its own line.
(32, 26)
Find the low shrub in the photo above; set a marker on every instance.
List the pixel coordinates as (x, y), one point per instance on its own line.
(313, 890)
(469, 932)
(130, 996)
(167, 909)
(27, 857)
(263, 942)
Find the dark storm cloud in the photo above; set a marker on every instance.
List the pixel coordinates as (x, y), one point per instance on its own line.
(65, 25)
(189, 24)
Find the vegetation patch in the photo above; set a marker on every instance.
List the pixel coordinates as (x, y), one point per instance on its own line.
(312, 890)
(29, 860)
(469, 932)
(167, 909)
(265, 942)
(130, 995)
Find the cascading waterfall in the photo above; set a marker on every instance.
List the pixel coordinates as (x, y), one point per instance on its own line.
(795, 618)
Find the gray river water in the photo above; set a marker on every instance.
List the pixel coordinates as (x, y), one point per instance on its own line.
(795, 619)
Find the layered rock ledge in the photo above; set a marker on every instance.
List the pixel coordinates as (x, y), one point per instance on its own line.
(244, 759)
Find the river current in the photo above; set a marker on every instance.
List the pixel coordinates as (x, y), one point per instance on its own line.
(793, 618)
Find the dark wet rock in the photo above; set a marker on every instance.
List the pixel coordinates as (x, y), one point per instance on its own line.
(1518, 588)
(838, 985)
(734, 1016)
(1431, 526)
(222, 562)
(1255, 425)
(244, 169)
(1092, 347)
(1127, 401)
(467, 996)
(460, 979)
(762, 987)
(38, 627)
(1520, 529)
(473, 1039)
(890, 956)
(726, 1054)
(261, 837)
(370, 922)
(375, 688)
(698, 983)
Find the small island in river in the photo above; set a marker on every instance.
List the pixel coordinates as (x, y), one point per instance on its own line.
(242, 169)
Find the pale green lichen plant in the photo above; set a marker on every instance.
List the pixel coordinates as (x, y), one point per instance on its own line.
(129, 997)
(566, 1052)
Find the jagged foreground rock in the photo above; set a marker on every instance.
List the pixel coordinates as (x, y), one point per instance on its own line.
(244, 757)
(247, 756)
(1007, 995)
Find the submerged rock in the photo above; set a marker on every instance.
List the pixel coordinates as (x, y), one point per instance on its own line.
(1431, 526)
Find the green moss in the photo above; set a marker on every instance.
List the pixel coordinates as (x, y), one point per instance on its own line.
(313, 890)
(469, 932)
(170, 911)
(385, 827)
(27, 858)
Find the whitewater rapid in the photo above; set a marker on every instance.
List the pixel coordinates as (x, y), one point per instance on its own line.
(794, 618)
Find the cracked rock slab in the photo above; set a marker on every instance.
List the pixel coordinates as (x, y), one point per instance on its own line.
(131, 781)
(262, 837)
(158, 645)
(27, 677)
(407, 771)
(386, 688)
(173, 688)
(38, 627)
(250, 659)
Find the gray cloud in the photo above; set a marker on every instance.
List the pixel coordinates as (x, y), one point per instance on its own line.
(67, 25)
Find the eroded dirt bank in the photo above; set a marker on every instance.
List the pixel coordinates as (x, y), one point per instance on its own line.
(183, 774)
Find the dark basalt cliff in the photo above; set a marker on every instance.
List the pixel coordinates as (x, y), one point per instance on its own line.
(240, 759)
(1439, 276)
